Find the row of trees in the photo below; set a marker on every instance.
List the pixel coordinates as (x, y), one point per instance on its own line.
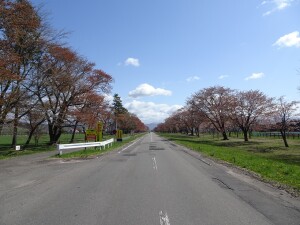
(42, 80)
(125, 120)
(225, 110)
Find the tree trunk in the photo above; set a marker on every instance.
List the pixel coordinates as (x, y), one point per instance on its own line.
(245, 133)
(74, 131)
(224, 135)
(197, 132)
(1, 128)
(192, 131)
(54, 133)
(51, 135)
(29, 138)
(33, 129)
(283, 135)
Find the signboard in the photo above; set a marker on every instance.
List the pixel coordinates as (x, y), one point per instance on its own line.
(95, 134)
(91, 134)
(119, 135)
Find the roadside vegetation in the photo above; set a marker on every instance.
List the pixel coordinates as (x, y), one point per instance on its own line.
(258, 132)
(266, 157)
(6, 151)
(46, 87)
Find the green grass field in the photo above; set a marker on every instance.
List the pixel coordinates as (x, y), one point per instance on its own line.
(264, 156)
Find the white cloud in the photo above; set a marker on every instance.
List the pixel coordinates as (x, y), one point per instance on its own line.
(289, 40)
(148, 90)
(255, 76)
(192, 78)
(277, 5)
(108, 98)
(132, 62)
(150, 112)
(223, 77)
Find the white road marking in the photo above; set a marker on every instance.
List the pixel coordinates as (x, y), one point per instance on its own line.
(163, 218)
(127, 147)
(26, 183)
(154, 163)
(70, 161)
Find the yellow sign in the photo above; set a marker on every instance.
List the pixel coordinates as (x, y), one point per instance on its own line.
(95, 134)
(119, 135)
(91, 134)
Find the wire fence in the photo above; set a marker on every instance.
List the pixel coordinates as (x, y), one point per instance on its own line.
(292, 135)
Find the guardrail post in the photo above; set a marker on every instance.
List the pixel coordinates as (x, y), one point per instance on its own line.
(58, 149)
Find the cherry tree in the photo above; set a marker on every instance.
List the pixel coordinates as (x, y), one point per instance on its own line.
(215, 104)
(21, 39)
(284, 113)
(248, 107)
(61, 80)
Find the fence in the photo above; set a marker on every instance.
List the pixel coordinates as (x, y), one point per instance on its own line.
(276, 134)
(61, 147)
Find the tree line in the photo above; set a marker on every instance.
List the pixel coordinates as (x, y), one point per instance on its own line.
(42, 81)
(224, 110)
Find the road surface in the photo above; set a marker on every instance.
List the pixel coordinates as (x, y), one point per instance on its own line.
(150, 182)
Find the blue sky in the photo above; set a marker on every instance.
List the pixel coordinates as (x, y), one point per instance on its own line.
(160, 52)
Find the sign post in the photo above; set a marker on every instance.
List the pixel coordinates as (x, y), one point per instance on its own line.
(99, 131)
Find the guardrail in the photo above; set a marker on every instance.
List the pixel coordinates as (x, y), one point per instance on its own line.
(103, 144)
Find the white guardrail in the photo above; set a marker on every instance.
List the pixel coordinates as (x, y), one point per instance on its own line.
(103, 144)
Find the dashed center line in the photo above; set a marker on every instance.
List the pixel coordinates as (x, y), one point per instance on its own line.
(163, 218)
(154, 163)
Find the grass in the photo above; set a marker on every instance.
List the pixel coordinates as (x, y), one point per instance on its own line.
(7, 152)
(264, 156)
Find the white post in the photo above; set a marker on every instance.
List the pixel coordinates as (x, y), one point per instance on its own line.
(58, 149)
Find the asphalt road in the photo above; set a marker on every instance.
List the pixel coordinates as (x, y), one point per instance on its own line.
(150, 182)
